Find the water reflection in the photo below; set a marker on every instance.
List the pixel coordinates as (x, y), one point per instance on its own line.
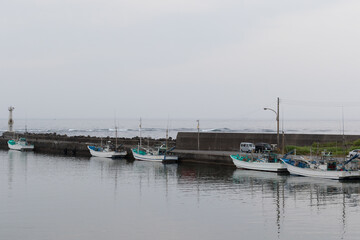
(122, 170)
(265, 182)
(319, 193)
(209, 201)
(14, 155)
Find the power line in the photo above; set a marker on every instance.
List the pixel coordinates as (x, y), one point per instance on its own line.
(319, 103)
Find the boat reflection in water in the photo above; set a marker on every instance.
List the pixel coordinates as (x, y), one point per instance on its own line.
(13, 157)
(101, 198)
(315, 204)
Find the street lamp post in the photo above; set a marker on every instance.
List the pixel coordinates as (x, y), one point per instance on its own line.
(277, 121)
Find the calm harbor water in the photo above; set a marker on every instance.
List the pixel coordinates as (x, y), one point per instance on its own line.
(52, 197)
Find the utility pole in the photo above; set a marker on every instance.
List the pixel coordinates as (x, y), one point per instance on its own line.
(277, 122)
(11, 121)
(283, 143)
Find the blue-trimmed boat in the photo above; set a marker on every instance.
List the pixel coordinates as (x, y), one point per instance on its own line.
(106, 152)
(160, 154)
(327, 167)
(266, 162)
(21, 144)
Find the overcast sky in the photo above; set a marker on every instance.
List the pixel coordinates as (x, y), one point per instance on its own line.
(179, 58)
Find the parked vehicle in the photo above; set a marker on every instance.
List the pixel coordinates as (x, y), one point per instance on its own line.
(354, 152)
(261, 147)
(247, 147)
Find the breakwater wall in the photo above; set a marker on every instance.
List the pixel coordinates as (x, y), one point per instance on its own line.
(75, 145)
(231, 141)
(213, 147)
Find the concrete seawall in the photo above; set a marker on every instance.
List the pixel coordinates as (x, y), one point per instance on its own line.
(231, 141)
(76, 145)
(214, 148)
(208, 157)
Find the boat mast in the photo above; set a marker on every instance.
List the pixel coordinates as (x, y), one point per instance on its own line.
(343, 131)
(25, 123)
(115, 132)
(167, 135)
(116, 138)
(198, 134)
(166, 140)
(139, 135)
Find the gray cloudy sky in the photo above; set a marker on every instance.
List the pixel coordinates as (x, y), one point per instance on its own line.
(179, 58)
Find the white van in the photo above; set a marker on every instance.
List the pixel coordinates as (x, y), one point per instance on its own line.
(247, 147)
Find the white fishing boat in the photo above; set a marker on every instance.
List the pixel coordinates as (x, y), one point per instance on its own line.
(160, 154)
(106, 152)
(324, 168)
(20, 145)
(266, 162)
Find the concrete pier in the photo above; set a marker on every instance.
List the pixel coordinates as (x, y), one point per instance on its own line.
(75, 145)
(231, 141)
(214, 148)
(202, 156)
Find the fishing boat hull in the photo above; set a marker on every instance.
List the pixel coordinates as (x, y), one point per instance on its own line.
(142, 156)
(20, 146)
(326, 174)
(259, 166)
(106, 154)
